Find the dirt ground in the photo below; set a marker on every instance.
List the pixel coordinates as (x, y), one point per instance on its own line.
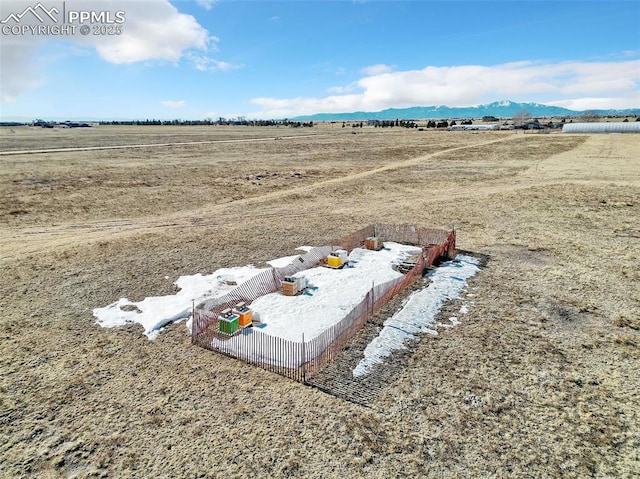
(539, 380)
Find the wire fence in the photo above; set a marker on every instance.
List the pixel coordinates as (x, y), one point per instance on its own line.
(300, 360)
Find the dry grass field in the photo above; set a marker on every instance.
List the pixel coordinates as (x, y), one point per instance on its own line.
(539, 380)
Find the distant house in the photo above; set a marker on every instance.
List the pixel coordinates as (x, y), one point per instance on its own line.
(42, 123)
(489, 118)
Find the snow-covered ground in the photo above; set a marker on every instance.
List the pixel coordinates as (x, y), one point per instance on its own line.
(154, 312)
(419, 311)
(332, 293)
(332, 296)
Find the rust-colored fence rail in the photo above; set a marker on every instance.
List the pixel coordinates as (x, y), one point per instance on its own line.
(356, 239)
(268, 281)
(301, 360)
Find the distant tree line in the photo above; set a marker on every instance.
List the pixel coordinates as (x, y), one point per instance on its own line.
(210, 122)
(413, 123)
(522, 119)
(392, 123)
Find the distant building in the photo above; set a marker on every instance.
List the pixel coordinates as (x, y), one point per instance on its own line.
(602, 127)
(474, 127)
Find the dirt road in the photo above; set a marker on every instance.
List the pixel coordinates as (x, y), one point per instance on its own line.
(560, 169)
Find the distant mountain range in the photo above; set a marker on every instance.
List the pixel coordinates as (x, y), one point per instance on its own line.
(499, 109)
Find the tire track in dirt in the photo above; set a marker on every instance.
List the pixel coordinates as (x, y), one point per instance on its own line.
(15, 243)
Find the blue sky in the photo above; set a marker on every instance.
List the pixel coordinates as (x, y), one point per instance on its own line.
(269, 59)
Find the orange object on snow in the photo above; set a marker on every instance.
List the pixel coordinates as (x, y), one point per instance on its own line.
(245, 315)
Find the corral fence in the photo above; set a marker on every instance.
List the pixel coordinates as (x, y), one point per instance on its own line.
(300, 360)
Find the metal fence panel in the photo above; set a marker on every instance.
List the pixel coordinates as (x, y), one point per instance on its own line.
(301, 360)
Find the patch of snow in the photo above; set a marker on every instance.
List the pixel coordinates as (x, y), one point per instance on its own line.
(282, 262)
(418, 314)
(464, 309)
(444, 325)
(332, 293)
(154, 312)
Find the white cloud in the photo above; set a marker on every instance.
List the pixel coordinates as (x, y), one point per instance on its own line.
(204, 63)
(153, 30)
(16, 74)
(378, 69)
(173, 103)
(206, 4)
(604, 103)
(343, 89)
(338, 89)
(594, 85)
